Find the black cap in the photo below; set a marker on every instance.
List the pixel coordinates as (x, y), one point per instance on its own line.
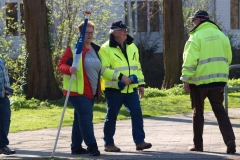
(200, 14)
(119, 24)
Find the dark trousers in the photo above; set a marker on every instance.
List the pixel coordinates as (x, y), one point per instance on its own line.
(82, 128)
(115, 100)
(215, 97)
(5, 116)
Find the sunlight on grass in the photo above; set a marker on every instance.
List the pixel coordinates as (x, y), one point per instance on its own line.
(27, 119)
(33, 119)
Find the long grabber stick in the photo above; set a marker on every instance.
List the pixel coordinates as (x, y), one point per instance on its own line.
(77, 57)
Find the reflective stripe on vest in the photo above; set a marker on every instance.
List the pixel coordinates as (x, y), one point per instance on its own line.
(126, 68)
(215, 59)
(184, 78)
(103, 69)
(140, 80)
(111, 84)
(114, 77)
(218, 75)
(115, 84)
(205, 61)
(190, 68)
(121, 68)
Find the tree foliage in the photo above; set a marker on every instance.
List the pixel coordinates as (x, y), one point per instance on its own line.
(62, 20)
(65, 17)
(61, 30)
(14, 56)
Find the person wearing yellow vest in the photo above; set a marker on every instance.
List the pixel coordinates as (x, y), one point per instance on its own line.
(206, 59)
(85, 87)
(120, 62)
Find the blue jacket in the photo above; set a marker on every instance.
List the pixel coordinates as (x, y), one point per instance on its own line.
(4, 80)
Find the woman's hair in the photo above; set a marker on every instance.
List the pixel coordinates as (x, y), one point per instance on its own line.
(90, 24)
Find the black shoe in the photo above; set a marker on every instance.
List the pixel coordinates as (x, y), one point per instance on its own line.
(7, 151)
(193, 148)
(80, 151)
(231, 148)
(93, 151)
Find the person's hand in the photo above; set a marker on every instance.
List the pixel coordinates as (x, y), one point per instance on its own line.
(141, 92)
(186, 87)
(73, 70)
(126, 80)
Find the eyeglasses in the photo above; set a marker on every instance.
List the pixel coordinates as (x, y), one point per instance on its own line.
(193, 19)
(89, 33)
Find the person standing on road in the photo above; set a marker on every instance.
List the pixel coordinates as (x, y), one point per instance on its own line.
(84, 89)
(5, 110)
(120, 64)
(206, 59)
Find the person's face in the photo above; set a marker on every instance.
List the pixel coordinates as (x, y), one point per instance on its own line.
(120, 35)
(89, 35)
(196, 21)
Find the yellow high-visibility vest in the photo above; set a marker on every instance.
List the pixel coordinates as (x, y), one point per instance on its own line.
(78, 80)
(207, 55)
(114, 63)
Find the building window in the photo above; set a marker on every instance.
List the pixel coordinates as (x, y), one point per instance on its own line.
(22, 28)
(14, 18)
(154, 16)
(234, 14)
(142, 16)
(145, 16)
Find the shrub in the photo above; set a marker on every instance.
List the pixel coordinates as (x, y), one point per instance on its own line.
(154, 92)
(176, 90)
(18, 103)
(233, 83)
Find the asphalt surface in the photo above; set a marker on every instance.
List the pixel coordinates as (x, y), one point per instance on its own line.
(169, 135)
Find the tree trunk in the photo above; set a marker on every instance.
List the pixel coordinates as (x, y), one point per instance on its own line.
(173, 28)
(41, 83)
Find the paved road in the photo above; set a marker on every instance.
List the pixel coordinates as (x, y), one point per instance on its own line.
(170, 136)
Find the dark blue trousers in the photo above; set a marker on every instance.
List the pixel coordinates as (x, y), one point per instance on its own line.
(115, 100)
(5, 116)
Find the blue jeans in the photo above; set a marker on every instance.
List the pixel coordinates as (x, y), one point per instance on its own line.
(115, 100)
(82, 128)
(5, 116)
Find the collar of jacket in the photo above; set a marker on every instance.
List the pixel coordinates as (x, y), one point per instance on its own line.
(209, 21)
(114, 43)
(95, 47)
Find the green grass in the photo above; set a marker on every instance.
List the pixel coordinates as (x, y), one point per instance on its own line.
(49, 116)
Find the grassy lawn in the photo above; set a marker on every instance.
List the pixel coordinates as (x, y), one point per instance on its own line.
(49, 117)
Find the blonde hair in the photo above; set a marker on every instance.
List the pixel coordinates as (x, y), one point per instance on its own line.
(90, 24)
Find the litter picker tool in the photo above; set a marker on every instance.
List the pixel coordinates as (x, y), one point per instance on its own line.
(77, 57)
